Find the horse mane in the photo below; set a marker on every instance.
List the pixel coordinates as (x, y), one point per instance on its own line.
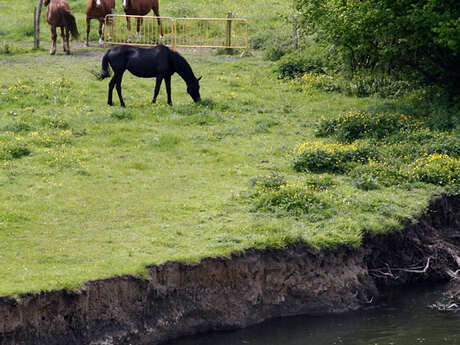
(182, 67)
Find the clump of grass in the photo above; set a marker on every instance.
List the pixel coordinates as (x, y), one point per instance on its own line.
(121, 114)
(14, 150)
(294, 200)
(273, 181)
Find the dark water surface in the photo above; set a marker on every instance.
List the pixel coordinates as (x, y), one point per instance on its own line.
(401, 320)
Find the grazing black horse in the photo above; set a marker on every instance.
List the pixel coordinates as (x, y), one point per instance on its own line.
(158, 62)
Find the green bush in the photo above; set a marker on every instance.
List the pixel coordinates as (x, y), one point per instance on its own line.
(375, 175)
(378, 85)
(354, 125)
(319, 157)
(439, 169)
(294, 66)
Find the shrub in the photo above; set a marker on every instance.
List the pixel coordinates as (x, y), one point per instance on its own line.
(436, 168)
(311, 82)
(321, 157)
(375, 175)
(294, 66)
(354, 125)
(379, 85)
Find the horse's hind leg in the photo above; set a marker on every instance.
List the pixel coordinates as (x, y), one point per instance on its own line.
(115, 81)
(157, 89)
(88, 29)
(65, 35)
(118, 86)
(53, 40)
(111, 85)
(156, 11)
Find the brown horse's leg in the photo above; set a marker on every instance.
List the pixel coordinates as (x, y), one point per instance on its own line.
(156, 11)
(63, 38)
(53, 40)
(67, 38)
(101, 32)
(128, 25)
(138, 27)
(88, 28)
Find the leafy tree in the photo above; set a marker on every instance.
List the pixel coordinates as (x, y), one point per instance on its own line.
(418, 37)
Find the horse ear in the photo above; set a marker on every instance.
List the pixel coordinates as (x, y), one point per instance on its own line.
(199, 78)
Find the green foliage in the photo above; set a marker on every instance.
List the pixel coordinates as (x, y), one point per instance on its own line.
(376, 175)
(439, 169)
(364, 85)
(354, 125)
(321, 157)
(420, 38)
(294, 66)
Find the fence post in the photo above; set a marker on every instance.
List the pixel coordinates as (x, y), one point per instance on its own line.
(228, 42)
(37, 14)
(294, 32)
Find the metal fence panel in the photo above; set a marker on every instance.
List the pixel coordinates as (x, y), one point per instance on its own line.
(150, 31)
(177, 33)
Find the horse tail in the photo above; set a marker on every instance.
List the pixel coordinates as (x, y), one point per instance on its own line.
(72, 25)
(105, 72)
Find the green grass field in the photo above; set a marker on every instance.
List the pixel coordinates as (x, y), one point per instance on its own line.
(90, 191)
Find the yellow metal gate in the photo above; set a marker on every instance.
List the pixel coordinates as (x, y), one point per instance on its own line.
(177, 32)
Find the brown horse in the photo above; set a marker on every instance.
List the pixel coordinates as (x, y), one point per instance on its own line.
(98, 9)
(141, 8)
(58, 14)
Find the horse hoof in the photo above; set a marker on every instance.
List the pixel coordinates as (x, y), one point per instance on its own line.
(52, 52)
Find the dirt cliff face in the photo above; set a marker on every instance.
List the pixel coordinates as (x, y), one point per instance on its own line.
(222, 293)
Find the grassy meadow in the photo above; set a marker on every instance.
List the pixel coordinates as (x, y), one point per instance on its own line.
(89, 191)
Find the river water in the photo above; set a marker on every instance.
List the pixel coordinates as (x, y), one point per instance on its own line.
(405, 319)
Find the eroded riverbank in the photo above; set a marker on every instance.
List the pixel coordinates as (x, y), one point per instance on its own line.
(223, 293)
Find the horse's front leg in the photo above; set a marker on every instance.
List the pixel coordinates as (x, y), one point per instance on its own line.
(168, 88)
(157, 88)
(138, 28)
(101, 32)
(53, 40)
(88, 29)
(128, 25)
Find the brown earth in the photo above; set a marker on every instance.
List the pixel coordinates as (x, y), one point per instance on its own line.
(223, 293)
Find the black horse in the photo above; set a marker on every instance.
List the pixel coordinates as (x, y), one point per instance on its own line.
(158, 62)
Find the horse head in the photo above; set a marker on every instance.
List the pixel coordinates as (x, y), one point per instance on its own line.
(125, 4)
(98, 3)
(193, 89)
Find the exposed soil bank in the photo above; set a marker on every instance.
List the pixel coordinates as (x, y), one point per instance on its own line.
(221, 293)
